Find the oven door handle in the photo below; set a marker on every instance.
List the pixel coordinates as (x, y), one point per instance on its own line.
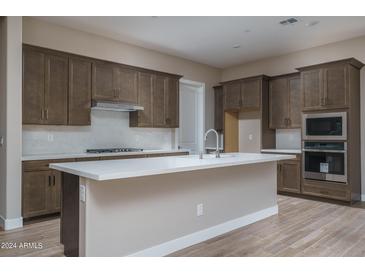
(324, 150)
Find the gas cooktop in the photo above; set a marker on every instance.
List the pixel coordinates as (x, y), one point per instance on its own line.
(113, 150)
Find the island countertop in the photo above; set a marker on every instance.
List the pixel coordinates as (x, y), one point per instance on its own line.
(128, 168)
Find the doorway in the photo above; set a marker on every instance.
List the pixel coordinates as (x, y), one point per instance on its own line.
(192, 115)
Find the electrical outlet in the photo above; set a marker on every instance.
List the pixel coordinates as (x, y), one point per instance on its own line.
(250, 137)
(82, 193)
(199, 210)
(50, 137)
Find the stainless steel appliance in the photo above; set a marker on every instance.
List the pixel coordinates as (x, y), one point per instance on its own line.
(113, 150)
(325, 161)
(115, 106)
(325, 126)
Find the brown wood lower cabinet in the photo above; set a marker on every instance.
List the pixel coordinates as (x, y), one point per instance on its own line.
(41, 193)
(328, 190)
(289, 176)
(41, 187)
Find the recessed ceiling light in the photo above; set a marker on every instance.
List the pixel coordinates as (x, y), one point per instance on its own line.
(236, 46)
(311, 24)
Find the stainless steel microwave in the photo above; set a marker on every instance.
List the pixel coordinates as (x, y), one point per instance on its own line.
(325, 126)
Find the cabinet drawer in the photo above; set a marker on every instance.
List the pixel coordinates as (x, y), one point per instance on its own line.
(326, 190)
(87, 159)
(121, 157)
(166, 154)
(42, 164)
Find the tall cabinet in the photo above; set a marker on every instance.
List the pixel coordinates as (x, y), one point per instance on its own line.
(335, 87)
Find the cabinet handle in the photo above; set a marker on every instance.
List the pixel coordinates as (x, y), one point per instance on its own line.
(47, 114)
(49, 180)
(54, 180)
(42, 114)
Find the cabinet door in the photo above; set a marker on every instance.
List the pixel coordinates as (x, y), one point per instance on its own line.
(56, 89)
(35, 198)
(289, 176)
(79, 99)
(33, 86)
(278, 103)
(126, 84)
(55, 192)
(103, 81)
(335, 86)
(312, 88)
(145, 89)
(172, 103)
(159, 101)
(218, 108)
(295, 112)
(251, 95)
(232, 96)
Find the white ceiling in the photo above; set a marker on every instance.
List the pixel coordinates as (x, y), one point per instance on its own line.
(210, 40)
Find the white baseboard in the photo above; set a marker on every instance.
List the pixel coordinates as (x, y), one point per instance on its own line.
(363, 197)
(203, 235)
(8, 224)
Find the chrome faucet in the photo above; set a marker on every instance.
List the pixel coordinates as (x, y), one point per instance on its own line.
(217, 153)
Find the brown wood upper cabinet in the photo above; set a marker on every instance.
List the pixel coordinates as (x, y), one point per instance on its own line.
(251, 95)
(114, 82)
(45, 87)
(284, 102)
(242, 94)
(326, 86)
(218, 108)
(159, 95)
(56, 87)
(79, 93)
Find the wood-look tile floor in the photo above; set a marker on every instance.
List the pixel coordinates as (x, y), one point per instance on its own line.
(302, 228)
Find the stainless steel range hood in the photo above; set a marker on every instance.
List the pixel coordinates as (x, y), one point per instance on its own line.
(114, 106)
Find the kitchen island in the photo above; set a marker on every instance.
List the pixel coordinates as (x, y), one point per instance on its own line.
(153, 207)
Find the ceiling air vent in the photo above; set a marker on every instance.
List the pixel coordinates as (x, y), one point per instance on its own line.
(289, 21)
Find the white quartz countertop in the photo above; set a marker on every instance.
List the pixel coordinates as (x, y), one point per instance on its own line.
(53, 156)
(284, 151)
(128, 168)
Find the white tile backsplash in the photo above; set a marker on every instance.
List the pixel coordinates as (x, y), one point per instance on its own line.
(288, 139)
(108, 129)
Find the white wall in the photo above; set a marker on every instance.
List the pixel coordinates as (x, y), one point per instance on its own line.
(41, 33)
(287, 63)
(10, 122)
(108, 129)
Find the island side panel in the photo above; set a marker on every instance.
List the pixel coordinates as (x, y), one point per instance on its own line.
(136, 214)
(70, 214)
